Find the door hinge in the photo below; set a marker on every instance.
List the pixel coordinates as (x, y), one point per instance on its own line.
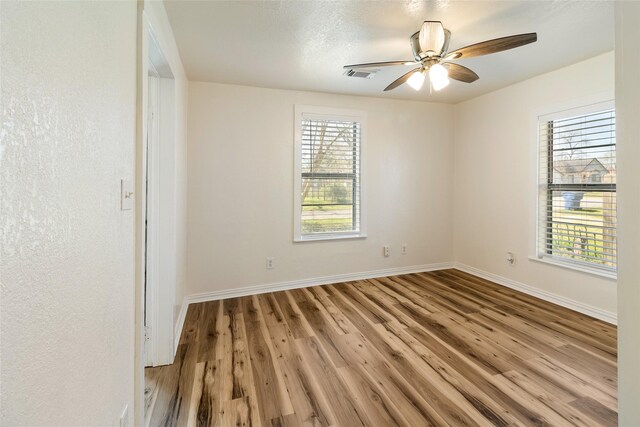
(147, 333)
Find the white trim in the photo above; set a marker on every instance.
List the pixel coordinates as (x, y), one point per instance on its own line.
(152, 196)
(177, 333)
(597, 102)
(303, 283)
(329, 236)
(151, 18)
(569, 303)
(157, 199)
(142, 43)
(326, 113)
(577, 108)
(607, 274)
(294, 284)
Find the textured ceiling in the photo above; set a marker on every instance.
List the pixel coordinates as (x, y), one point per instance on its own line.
(304, 44)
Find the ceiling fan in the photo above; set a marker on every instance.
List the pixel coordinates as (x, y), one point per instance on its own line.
(430, 46)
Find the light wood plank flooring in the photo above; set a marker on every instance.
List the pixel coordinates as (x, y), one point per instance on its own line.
(440, 348)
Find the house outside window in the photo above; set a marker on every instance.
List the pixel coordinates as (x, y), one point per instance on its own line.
(577, 189)
(328, 190)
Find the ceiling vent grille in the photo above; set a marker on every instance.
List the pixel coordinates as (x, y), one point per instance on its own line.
(362, 74)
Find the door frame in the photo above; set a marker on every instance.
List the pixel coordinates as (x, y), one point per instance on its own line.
(153, 42)
(155, 208)
(151, 196)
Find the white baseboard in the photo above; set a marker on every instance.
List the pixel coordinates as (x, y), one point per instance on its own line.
(179, 325)
(296, 284)
(578, 306)
(303, 283)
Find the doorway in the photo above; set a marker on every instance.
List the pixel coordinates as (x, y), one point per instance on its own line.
(158, 208)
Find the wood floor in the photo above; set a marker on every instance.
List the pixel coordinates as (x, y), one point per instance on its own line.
(440, 348)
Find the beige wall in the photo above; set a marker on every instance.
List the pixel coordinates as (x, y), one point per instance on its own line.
(240, 157)
(67, 257)
(68, 130)
(495, 179)
(628, 132)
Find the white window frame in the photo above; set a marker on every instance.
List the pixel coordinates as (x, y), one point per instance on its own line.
(326, 113)
(599, 102)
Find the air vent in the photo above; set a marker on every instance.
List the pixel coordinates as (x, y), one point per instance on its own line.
(362, 74)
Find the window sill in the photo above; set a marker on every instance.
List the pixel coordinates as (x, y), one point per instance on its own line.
(323, 237)
(611, 275)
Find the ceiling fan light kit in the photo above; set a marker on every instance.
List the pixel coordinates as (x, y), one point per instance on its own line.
(430, 48)
(439, 77)
(416, 80)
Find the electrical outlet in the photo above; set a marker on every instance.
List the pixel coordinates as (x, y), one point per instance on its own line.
(269, 263)
(124, 418)
(511, 258)
(403, 249)
(385, 251)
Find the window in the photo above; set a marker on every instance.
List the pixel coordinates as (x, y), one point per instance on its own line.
(328, 188)
(577, 188)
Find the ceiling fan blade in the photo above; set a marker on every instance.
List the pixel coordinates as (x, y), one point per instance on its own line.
(458, 72)
(492, 46)
(401, 80)
(380, 64)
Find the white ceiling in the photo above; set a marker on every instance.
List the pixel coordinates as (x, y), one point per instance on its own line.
(304, 44)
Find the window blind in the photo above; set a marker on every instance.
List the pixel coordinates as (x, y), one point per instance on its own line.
(330, 174)
(577, 218)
